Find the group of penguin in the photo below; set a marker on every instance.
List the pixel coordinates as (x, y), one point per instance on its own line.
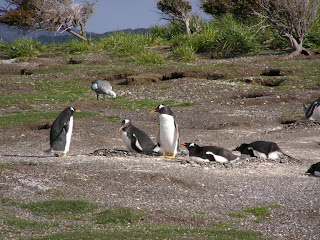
(168, 140)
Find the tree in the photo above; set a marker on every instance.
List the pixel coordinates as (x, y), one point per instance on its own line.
(239, 8)
(292, 18)
(178, 11)
(50, 15)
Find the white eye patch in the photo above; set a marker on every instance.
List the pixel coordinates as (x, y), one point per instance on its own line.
(126, 121)
(191, 145)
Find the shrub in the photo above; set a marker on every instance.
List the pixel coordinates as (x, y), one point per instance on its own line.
(24, 47)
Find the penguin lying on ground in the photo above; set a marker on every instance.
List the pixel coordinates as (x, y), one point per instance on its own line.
(262, 149)
(135, 139)
(61, 131)
(313, 111)
(103, 87)
(314, 170)
(168, 137)
(206, 154)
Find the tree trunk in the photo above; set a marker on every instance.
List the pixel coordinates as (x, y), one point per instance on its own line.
(77, 35)
(297, 47)
(187, 26)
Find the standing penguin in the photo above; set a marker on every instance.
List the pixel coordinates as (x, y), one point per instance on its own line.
(262, 149)
(314, 170)
(135, 139)
(103, 87)
(206, 154)
(313, 111)
(168, 137)
(61, 131)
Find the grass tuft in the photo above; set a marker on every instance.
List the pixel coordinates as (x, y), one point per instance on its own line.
(121, 215)
(59, 207)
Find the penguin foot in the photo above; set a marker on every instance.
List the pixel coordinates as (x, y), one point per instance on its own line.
(167, 155)
(60, 155)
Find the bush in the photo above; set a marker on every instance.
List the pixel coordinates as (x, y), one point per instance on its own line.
(79, 46)
(185, 53)
(24, 47)
(232, 38)
(313, 37)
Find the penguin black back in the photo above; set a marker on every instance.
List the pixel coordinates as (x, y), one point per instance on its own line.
(311, 112)
(60, 125)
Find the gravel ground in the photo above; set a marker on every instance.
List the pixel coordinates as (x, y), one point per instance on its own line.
(225, 113)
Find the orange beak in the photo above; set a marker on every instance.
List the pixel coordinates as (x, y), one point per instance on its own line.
(182, 143)
(78, 111)
(120, 129)
(153, 111)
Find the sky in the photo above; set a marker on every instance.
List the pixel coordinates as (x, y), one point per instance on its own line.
(113, 15)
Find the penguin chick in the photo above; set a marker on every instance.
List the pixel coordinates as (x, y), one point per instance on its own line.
(135, 139)
(262, 149)
(168, 136)
(313, 111)
(61, 131)
(207, 154)
(103, 87)
(314, 170)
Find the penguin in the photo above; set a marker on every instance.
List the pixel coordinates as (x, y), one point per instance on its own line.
(168, 136)
(314, 170)
(206, 154)
(61, 131)
(135, 139)
(262, 149)
(103, 87)
(313, 111)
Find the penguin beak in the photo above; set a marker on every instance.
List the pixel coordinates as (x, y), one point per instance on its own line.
(154, 110)
(233, 150)
(121, 128)
(182, 143)
(77, 110)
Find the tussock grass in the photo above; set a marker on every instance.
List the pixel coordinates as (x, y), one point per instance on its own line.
(24, 47)
(59, 207)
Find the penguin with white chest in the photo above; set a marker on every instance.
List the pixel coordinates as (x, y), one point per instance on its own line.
(103, 87)
(135, 139)
(206, 154)
(313, 111)
(262, 149)
(168, 136)
(314, 170)
(61, 131)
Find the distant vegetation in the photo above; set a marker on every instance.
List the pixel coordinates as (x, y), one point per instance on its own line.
(224, 36)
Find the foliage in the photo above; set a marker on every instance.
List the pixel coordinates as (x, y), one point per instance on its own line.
(77, 46)
(185, 53)
(132, 48)
(239, 8)
(176, 11)
(292, 19)
(51, 15)
(24, 47)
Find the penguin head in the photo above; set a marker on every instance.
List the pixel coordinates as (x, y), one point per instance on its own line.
(190, 146)
(70, 111)
(311, 169)
(162, 109)
(241, 147)
(125, 124)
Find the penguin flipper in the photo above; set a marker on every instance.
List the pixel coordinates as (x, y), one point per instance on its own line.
(135, 143)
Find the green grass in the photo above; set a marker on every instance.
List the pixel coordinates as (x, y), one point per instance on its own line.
(113, 119)
(238, 215)
(259, 211)
(8, 202)
(5, 166)
(22, 117)
(121, 215)
(58, 207)
(22, 224)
